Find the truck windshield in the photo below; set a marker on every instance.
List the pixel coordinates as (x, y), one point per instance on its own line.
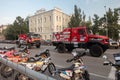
(35, 35)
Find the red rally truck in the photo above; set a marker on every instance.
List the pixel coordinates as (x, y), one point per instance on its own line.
(79, 37)
(29, 39)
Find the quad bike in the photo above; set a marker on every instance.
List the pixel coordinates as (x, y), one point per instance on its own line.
(41, 64)
(77, 71)
(116, 64)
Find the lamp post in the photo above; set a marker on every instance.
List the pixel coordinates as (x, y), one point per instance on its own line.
(106, 22)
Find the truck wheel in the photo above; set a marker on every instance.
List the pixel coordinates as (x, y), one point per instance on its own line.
(96, 51)
(61, 48)
(38, 45)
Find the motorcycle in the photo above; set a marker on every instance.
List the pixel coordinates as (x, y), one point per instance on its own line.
(76, 71)
(39, 63)
(5, 51)
(116, 65)
(13, 56)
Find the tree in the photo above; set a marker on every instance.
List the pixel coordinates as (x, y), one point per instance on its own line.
(18, 27)
(112, 24)
(96, 24)
(88, 24)
(76, 18)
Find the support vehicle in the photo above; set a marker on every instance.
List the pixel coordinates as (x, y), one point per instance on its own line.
(80, 37)
(30, 39)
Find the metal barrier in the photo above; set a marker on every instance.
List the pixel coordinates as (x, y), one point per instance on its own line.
(28, 72)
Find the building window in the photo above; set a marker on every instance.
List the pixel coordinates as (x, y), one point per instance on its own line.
(50, 37)
(57, 18)
(50, 18)
(38, 20)
(45, 19)
(57, 27)
(60, 19)
(60, 28)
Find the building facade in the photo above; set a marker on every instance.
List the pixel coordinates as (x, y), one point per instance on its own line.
(46, 22)
(2, 27)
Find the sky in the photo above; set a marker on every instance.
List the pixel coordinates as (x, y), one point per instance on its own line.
(10, 9)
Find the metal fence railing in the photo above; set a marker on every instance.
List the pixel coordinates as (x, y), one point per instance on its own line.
(28, 72)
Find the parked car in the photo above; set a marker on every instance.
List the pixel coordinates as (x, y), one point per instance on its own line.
(113, 44)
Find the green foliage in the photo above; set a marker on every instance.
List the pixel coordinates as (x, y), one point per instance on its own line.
(108, 24)
(112, 24)
(96, 25)
(78, 19)
(18, 27)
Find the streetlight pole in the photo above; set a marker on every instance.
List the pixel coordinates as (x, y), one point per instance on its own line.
(106, 22)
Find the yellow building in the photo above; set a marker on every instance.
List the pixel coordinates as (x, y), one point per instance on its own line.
(46, 22)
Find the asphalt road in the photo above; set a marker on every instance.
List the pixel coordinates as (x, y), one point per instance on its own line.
(94, 65)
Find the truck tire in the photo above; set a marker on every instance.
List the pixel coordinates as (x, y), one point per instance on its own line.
(38, 45)
(96, 50)
(61, 48)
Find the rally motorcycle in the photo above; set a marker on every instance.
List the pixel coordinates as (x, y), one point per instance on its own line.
(77, 71)
(17, 57)
(116, 64)
(39, 63)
